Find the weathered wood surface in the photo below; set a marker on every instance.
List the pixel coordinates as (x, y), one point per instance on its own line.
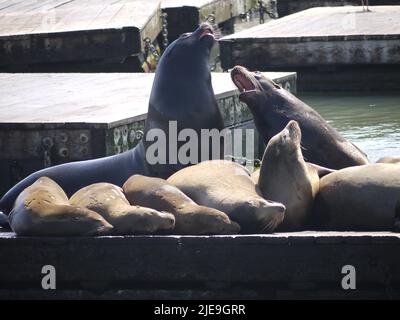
(289, 265)
(31, 16)
(33, 32)
(286, 7)
(319, 36)
(222, 9)
(83, 100)
(324, 39)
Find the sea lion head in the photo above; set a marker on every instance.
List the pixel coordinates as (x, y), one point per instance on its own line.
(254, 87)
(189, 52)
(286, 142)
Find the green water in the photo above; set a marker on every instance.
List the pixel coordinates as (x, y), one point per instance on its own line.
(371, 121)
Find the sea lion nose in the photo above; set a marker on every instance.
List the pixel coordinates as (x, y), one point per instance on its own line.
(280, 208)
(293, 124)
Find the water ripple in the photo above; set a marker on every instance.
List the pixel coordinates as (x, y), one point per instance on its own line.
(372, 122)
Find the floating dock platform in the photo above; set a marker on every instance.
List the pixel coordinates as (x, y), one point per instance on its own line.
(331, 48)
(300, 265)
(99, 35)
(48, 119)
(75, 35)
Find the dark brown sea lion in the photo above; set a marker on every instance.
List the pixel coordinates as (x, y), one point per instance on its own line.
(43, 209)
(227, 186)
(273, 107)
(190, 218)
(109, 201)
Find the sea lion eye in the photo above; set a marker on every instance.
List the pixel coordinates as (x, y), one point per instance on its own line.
(185, 35)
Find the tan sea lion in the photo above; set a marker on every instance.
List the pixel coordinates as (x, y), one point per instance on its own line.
(109, 201)
(361, 198)
(43, 209)
(393, 160)
(190, 218)
(285, 177)
(227, 186)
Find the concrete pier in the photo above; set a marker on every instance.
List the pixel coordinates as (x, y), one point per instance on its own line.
(286, 7)
(77, 35)
(331, 48)
(299, 265)
(99, 35)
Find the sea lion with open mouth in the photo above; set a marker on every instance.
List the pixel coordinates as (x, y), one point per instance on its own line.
(273, 107)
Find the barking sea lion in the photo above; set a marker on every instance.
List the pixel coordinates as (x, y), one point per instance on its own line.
(273, 107)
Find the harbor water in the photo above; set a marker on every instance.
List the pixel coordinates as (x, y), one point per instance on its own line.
(370, 121)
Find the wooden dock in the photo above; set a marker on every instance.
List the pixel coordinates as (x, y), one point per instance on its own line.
(286, 7)
(299, 265)
(84, 116)
(75, 35)
(331, 48)
(99, 35)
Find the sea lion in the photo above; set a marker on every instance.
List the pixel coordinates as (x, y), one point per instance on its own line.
(181, 91)
(362, 198)
(109, 201)
(227, 186)
(273, 107)
(285, 177)
(190, 218)
(3, 220)
(393, 160)
(43, 209)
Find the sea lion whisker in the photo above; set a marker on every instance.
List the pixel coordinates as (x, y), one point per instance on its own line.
(268, 226)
